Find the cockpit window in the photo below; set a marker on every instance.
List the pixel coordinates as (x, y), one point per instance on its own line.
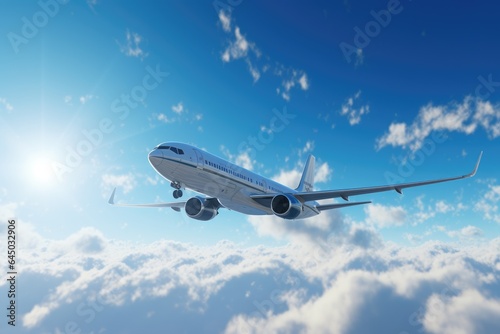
(171, 148)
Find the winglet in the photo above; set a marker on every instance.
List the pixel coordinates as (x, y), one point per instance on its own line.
(477, 165)
(112, 197)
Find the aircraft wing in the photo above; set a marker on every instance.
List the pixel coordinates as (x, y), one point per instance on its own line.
(346, 193)
(174, 205)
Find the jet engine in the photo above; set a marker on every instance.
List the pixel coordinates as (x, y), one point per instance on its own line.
(286, 206)
(201, 208)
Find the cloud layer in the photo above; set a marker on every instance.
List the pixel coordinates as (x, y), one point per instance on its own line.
(346, 282)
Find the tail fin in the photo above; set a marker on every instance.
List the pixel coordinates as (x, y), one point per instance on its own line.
(307, 180)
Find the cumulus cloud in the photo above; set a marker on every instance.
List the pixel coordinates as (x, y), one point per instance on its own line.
(323, 232)
(225, 20)
(464, 117)
(291, 177)
(125, 181)
(466, 232)
(468, 312)
(178, 108)
(92, 283)
(352, 112)
(385, 216)
(132, 47)
(178, 113)
(292, 79)
(8, 211)
(164, 118)
(488, 205)
(239, 47)
(242, 159)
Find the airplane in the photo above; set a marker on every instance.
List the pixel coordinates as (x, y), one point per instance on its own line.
(235, 188)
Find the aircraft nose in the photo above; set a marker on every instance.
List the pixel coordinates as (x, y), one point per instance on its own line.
(155, 157)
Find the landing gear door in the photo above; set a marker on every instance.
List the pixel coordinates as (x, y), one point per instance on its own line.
(199, 159)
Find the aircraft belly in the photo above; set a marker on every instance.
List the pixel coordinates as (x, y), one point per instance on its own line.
(243, 207)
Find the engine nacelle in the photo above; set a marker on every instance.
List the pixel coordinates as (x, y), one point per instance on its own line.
(286, 206)
(201, 209)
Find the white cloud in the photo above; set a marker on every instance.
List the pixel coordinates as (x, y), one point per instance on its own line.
(359, 57)
(304, 83)
(239, 47)
(317, 234)
(181, 114)
(332, 284)
(7, 210)
(5, 104)
(165, 119)
(385, 216)
(323, 173)
(125, 181)
(292, 78)
(289, 178)
(488, 205)
(468, 312)
(178, 108)
(308, 147)
(85, 98)
(132, 47)
(471, 231)
(352, 113)
(396, 292)
(225, 20)
(253, 71)
(463, 117)
(244, 160)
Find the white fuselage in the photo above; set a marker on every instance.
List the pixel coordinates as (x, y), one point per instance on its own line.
(208, 174)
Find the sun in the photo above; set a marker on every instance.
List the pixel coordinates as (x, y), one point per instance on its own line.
(41, 171)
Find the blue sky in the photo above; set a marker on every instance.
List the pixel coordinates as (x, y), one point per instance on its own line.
(379, 92)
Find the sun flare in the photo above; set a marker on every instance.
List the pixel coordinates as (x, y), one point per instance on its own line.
(41, 171)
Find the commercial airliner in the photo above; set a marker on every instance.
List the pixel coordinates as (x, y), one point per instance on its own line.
(229, 186)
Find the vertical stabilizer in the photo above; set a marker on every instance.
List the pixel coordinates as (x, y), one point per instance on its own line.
(307, 180)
